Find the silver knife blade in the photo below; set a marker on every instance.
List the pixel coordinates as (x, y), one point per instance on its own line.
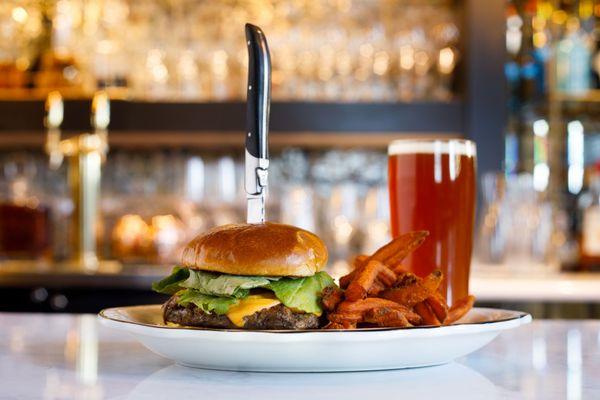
(256, 209)
(256, 181)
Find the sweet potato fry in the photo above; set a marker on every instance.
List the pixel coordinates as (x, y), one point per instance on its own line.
(364, 280)
(396, 250)
(362, 306)
(360, 260)
(331, 297)
(391, 254)
(342, 324)
(356, 290)
(336, 325)
(358, 264)
(379, 291)
(349, 325)
(377, 288)
(459, 309)
(398, 268)
(384, 280)
(385, 316)
(346, 279)
(438, 305)
(426, 314)
(347, 320)
(386, 276)
(406, 278)
(410, 289)
(413, 318)
(406, 295)
(432, 281)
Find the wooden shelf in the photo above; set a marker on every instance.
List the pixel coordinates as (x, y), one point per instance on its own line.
(437, 117)
(232, 140)
(590, 96)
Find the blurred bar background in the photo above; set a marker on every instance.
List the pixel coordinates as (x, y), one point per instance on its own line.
(521, 78)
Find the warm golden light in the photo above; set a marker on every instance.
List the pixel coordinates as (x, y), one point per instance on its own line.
(586, 9)
(219, 64)
(156, 66)
(538, 23)
(131, 230)
(573, 24)
(540, 39)
(545, 9)
(381, 63)
(407, 57)
(559, 17)
(20, 15)
(446, 60)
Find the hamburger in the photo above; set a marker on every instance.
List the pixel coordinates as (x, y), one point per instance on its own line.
(248, 276)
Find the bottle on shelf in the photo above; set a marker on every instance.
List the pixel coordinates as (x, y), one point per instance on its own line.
(573, 59)
(588, 204)
(25, 231)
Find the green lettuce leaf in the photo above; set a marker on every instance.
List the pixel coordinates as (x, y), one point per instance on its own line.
(302, 293)
(224, 285)
(217, 292)
(172, 283)
(208, 304)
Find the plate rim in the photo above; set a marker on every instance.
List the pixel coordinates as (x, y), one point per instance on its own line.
(520, 316)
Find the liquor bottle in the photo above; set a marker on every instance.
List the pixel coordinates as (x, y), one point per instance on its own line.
(596, 59)
(529, 67)
(24, 219)
(573, 59)
(589, 211)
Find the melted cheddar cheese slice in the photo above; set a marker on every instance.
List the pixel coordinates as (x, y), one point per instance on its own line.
(250, 305)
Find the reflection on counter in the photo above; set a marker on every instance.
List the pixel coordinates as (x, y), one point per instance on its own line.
(546, 360)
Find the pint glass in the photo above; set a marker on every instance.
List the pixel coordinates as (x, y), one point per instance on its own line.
(432, 187)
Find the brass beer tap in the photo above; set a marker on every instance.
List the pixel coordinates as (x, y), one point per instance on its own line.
(85, 153)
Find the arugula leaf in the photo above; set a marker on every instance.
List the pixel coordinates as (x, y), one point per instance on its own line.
(224, 285)
(302, 293)
(172, 283)
(208, 304)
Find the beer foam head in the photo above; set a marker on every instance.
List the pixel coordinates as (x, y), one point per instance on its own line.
(458, 147)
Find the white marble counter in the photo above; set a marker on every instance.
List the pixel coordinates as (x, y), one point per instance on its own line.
(72, 357)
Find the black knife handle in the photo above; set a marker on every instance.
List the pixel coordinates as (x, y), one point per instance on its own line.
(259, 92)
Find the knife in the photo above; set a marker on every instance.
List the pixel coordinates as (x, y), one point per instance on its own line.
(257, 123)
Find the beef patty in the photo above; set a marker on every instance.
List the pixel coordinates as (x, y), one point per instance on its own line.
(277, 317)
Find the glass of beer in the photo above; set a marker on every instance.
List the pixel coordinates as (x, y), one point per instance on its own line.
(432, 188)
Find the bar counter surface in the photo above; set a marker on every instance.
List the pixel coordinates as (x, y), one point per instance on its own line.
(486, 286)
(63, 356)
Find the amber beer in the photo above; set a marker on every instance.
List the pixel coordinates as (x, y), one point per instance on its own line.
(432, 187)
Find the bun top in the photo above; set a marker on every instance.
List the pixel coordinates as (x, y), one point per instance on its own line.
(268, 249)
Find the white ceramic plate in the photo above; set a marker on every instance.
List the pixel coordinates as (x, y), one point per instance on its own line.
(312, 350)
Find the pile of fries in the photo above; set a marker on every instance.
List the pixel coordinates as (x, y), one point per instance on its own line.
(378, 292)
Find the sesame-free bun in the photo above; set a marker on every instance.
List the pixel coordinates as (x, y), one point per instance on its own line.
(268, 249)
